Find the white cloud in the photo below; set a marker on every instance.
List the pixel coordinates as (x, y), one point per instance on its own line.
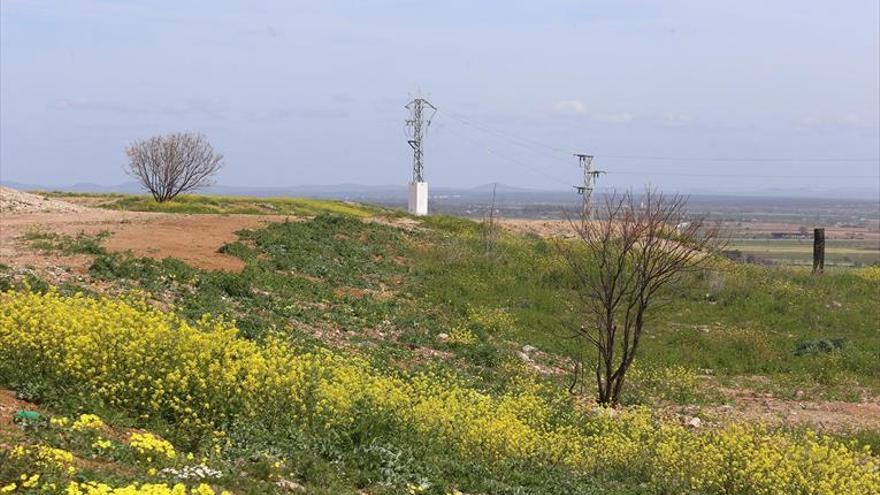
(614, 118)
(579, 108)
(676, 120)
(571, 107)
(851, 121)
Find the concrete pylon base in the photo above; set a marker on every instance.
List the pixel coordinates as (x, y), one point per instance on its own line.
(418, 198)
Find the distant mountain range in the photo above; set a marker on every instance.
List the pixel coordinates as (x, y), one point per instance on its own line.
(337, 191)
(397, 193)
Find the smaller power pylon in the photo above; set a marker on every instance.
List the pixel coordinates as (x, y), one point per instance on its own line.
(586, 190)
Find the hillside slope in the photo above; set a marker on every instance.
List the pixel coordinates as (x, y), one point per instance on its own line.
(437, 359)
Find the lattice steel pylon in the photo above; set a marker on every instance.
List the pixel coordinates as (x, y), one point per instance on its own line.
(586, 190)
(416, 126)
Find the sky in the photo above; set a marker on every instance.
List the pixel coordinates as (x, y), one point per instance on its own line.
(684, 95)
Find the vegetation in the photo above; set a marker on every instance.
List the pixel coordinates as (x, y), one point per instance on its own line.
(355, 355)
(229, 205)
(838, 252)
(172, 164)
(207, 385)
(82, 243)
(621, 264)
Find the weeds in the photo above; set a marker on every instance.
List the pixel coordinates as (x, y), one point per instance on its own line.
(241, 205)
(383, 294)
(81, 243)
(204, 380)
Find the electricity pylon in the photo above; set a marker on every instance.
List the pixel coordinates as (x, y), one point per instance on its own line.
(586, 190)
(416, 127)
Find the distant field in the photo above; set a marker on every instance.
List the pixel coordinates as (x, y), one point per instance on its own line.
(838, 252)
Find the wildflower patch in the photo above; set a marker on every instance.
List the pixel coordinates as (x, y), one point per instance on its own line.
(203, 378)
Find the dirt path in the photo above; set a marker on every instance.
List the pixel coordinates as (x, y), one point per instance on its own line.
(543, 228)
(194, 239)
(823, 415)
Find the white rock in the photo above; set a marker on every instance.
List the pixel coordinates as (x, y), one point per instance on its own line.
(290, 486)
(603, 411)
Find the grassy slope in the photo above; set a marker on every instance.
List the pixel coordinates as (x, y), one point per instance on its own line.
(740, 320)
(227, 205)
(387, 293)
(371, 284)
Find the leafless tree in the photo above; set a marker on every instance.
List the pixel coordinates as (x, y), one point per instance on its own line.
(640, 244)
(489, 230)
(174, 163)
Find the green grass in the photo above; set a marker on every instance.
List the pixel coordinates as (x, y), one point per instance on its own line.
(387, 294)
(82, 243)
(391, 293)
(227, 205)
(743, 320)
(842, 252)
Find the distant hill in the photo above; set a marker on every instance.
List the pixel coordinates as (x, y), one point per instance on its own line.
(396, 193)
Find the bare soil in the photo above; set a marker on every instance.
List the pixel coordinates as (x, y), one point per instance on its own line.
(821, 415)
(194, 239)
(9, 405)
(543, 228)
(563, 228)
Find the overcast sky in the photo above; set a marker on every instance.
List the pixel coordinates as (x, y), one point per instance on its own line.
(672, 93)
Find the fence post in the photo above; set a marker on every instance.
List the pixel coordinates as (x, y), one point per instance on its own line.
(818, 250)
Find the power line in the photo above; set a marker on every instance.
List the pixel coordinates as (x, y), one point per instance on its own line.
(531, 143)
(757, 176)
(526, 142)
(519, 163)
(757, 160)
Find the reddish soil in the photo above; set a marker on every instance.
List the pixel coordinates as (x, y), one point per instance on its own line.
(194, 239)
(818, 414)
(9, 405)
(349, 292)
(9, 432)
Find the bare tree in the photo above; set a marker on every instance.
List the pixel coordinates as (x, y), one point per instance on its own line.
(174, 163)
(640, 245)
(489, 230)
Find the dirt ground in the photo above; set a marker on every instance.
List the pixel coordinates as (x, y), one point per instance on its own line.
(563, 228)
(195, 239)
(9, 405)
(822, 415)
